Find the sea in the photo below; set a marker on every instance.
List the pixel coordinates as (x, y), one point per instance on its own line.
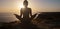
(7, 17)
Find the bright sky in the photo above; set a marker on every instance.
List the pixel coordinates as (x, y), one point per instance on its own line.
(36, 5)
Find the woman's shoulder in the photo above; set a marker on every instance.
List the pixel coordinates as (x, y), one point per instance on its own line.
(29, 8)
(24, 8)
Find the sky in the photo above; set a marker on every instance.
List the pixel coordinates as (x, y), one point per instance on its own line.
(14, 6)
(35, 5)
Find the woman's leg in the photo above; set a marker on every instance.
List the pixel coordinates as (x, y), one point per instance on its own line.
(17, 16)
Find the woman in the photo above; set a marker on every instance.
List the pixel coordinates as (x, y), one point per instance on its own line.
(26, 20)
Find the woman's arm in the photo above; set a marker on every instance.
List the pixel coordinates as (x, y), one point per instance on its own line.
(21, 12)
(30, 12)
(32, 16)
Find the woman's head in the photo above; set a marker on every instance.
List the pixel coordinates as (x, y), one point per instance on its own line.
(25, 3)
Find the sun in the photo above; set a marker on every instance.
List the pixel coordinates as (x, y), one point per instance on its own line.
(21, 5)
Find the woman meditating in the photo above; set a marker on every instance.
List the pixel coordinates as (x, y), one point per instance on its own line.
(26, 20)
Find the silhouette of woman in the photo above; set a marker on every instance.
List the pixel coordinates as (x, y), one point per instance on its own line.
(26, 21)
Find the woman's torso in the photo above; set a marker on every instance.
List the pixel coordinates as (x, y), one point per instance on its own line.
(26, 12)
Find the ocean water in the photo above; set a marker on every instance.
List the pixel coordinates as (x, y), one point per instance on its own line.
(7, 17)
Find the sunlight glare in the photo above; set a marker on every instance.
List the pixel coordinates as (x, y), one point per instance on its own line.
(21, 5)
